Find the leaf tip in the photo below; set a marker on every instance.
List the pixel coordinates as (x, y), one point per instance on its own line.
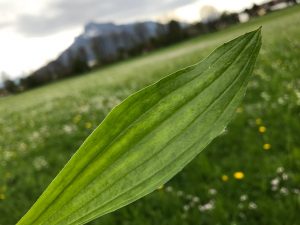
(256, 34)
(258, 30)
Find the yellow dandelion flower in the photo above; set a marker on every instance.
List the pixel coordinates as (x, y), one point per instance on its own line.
(266, 146)
(262, 129)
(77, 118)
(239, 110)
(238, 175)
(258, 121)
(160, 187)
(3, 189)
(88, 125)
(224, 178)
(2, 196)
(8, 175)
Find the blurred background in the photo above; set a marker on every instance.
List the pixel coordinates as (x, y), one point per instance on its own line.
(65, 64)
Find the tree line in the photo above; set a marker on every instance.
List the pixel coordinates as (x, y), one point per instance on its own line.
(119, 46)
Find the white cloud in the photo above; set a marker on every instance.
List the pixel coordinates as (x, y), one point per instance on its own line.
(21, 54)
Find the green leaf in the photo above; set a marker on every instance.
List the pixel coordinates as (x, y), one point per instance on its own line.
(149, 137)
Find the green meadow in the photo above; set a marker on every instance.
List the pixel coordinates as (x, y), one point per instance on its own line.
(248, 175)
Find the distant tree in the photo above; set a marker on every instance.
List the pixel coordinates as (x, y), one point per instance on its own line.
(59, 70)
(291, 2)
(227, 19)
(80, 62)
(141, 32)
(254, 11)
(141, 35)
(161, 35)
(128, 42)
(117, 46)
(96, 48)
(202, 28)
(2, 91)
(9, 85)
(175, 32)
(30, 81)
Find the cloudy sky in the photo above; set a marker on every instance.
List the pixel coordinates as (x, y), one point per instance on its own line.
(33, 32)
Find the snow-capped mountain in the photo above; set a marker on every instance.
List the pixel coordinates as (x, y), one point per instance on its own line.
(107, 39)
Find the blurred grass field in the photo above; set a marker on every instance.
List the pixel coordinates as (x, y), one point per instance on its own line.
(249, 175)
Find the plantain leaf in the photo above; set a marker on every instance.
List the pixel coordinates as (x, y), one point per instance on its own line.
(149, 137)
